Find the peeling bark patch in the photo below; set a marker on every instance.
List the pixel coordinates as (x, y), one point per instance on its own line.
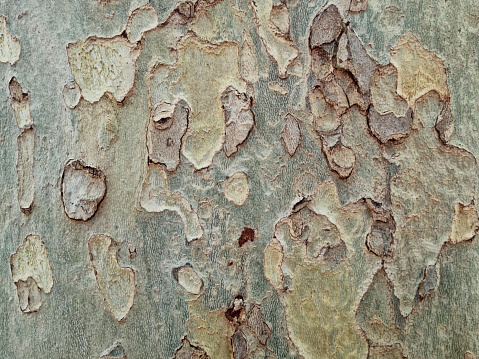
(277, 43)
(275, 86)
(465, 223)
(103, 66)
(20, 104)
(188, 279)
(319, 290)
(83, 189)
(157, 197)
(240, 345)
(327, 26)
(116, 351)
(380, 239)
(419, 70)
(193, 79)
(279, 18)
(167, 126)
(291, 134)
(236, 188)
(141, 20)
(445, 123)
(187, 9)
(340, 158)
(335, 93)
(377, 313)
(117, 284)
(321, 63)
(353, 57)
(341, 70)
(384, 95)
(188, 351)
(358, 6)
(210, 330)
(326, 118)
(239, 119)
(131, 250)
(388, 127)
(248, 60)
(31, 273)
(273, 258)
(430, 281)
(71, 94)
(247, 235)
(9, 45)
(469, 355)
(257, 325)
(25, 161)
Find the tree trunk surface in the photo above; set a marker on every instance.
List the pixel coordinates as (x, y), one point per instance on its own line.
(239, 179)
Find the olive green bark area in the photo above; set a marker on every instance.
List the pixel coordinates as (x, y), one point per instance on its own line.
(319, 265)
(263, 233)
(449, 31)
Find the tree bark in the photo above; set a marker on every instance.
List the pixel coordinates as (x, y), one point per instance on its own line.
(239, 179)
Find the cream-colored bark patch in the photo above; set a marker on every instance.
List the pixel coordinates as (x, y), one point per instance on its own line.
(115, 351)
(275, 86)
(31, 273)
(465, 223)
(202, 73)
(9, 45)
(248, 60)
(141, 20)
(157, 197)
(26, 185)
(117, 284)
(419, 70)
(103, 66)
(210, 330)
(189, 279)
(341, 159)
(273, 258)
(71, 94)
(239, 119)
(277, 45)
(20, 103)
(236, 188)
(83, 188)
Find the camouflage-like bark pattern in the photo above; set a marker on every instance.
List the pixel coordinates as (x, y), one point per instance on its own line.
(239, 179)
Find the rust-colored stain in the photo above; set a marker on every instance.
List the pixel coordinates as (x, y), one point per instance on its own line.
(246, 236)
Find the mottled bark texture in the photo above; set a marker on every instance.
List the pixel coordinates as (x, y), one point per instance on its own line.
(239, 179)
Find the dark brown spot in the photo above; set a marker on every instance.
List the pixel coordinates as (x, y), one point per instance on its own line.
(247, 235)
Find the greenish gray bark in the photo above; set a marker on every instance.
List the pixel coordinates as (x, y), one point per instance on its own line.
(239, 179)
